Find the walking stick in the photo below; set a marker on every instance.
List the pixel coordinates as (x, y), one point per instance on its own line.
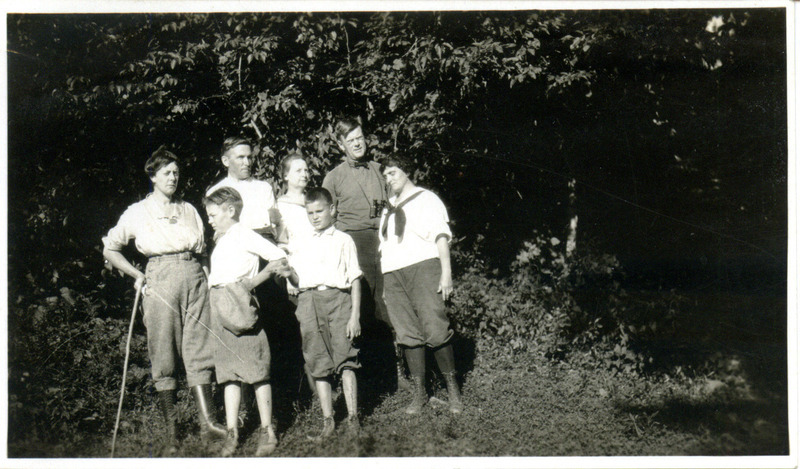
(125, 367)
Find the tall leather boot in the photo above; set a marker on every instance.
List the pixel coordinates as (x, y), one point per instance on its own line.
(166, 404)
(446, 361)
(209, 428)
(415, 356)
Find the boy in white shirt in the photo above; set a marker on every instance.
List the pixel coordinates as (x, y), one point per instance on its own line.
(417, 278)
(325, 269)
(260, 214)
(242, 354)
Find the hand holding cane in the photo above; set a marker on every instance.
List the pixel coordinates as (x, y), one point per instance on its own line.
(125, 366)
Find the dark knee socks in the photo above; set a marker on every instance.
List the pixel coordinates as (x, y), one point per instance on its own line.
(415, 357)
(445, 359)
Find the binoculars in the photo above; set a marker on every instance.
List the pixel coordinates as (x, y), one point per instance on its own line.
(376, 208)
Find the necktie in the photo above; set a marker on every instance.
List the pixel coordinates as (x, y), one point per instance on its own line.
(359, 164)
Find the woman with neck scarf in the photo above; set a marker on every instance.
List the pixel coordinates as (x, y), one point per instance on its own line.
(417, 278)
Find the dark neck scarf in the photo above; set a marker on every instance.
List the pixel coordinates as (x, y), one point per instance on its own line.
(399, 217)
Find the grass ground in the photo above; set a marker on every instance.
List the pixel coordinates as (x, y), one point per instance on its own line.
(516, 405)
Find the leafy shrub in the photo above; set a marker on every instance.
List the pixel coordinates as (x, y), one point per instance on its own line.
(556, 301)
(539, 301)
(506, 311)
(65, 368)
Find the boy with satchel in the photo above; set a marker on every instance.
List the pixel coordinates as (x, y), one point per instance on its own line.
(241, 354)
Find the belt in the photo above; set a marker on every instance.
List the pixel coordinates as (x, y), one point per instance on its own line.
(351, 230)
(185, 256)
(323, 288)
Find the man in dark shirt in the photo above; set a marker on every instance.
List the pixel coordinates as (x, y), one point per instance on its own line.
(359, 193)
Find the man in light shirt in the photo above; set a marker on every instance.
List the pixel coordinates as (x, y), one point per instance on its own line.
(259, 213)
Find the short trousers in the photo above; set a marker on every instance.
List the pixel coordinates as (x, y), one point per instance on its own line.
(415, 307)
(323, 317)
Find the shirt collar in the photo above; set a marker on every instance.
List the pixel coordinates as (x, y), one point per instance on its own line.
(231, 229)
(327, 231)
(158, 210)
(393, 199)
(284, 200)
(230, 180)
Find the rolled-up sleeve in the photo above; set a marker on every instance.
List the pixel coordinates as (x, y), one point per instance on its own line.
(200, 245)
(350, 260)
(120, 235)
(436, 220)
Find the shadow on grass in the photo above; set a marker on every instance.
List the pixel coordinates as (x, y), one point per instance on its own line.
(728, 335)
(290, 389)
(725, 427)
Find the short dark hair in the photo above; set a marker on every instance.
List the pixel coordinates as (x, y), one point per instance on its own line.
(406, 164)
(160, 158)
(226, 195)
(318, 194)
(286, 163)
(344, 125)
(231, 142)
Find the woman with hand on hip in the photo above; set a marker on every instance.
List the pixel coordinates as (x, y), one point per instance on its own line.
(169, 232)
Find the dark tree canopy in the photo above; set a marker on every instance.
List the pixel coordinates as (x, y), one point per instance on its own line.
(663, 130)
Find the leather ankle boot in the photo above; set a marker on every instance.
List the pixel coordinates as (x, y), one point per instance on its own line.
(352, 425)
(209, 428)
(328, 427)
(415, 356)
(230, 444)
(267, 441)
(166, 404)
(420, 397)
(453, 393)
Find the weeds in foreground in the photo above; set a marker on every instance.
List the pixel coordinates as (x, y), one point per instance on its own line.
(516, 405)
(540, 379)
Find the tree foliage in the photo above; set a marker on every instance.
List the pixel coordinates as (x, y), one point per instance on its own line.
(655, 136)
(661, 109)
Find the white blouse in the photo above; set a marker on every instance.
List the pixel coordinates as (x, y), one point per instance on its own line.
(158, 230)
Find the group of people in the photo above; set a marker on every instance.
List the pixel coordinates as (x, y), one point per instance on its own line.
(368, 241)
